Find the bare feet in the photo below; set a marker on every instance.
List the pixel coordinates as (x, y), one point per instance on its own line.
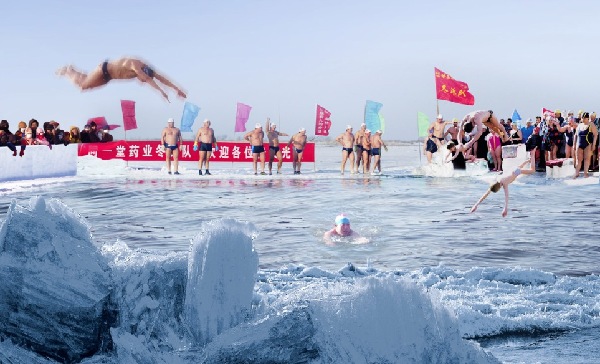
(63, 70)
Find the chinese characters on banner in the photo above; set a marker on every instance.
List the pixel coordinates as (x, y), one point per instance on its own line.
(447, 88)
(153, 150)
(323, 122)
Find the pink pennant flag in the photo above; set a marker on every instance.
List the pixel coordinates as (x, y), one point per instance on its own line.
(128, 108)
(241, 117)
(323, 122)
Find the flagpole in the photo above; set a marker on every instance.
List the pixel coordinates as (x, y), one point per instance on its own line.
(127, 161)
(419, 141)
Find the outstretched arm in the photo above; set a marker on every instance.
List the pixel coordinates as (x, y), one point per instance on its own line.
(475, 137)
(149, 80)
(485, 195)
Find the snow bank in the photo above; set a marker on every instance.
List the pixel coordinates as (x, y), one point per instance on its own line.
(39, 162)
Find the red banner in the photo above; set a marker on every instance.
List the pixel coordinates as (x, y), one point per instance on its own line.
(323, 123)
(447, 88)
(153, 150)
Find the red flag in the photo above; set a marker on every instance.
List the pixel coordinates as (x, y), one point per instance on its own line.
(544, 111)
(128, 108)
(447, 88)
(101, 123)
(323, 123)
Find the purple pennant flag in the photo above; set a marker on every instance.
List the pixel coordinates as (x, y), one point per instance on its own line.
(241, 117)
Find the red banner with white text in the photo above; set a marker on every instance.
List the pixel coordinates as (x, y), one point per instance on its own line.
(153, 150)
(447, 88)
(323, 122)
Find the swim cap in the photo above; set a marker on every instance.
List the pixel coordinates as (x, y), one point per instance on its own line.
(367, 131)
(170, 121)
(257, 126)
(341, 219)
(302, 129)
(348, 127)
(440, 116)
(378, 132)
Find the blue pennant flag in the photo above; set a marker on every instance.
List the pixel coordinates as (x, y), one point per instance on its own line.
(190, 112)
(516, 117)
(372, 117)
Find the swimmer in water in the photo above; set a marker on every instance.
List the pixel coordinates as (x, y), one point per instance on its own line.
(504, 182)
(342, 229)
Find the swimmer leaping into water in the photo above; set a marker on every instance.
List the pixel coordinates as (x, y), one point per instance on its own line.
(479, 119)
(504, 182)
(121, 69)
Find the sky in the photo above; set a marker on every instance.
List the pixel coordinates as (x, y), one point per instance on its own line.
(285, 57)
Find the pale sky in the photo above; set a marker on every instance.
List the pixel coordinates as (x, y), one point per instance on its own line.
(285, 57)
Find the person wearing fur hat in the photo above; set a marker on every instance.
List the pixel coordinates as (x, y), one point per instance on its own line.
(74, 135)
(7, 139)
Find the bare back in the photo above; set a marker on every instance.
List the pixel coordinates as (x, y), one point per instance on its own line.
(376, 141)
(125, 68)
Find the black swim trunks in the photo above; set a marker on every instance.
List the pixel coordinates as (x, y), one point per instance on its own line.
(105, 73)
(431, 146)
(148, 71)
(206, 147)
(257, 149)
(375, 151)
(273, 148)
(349, 150)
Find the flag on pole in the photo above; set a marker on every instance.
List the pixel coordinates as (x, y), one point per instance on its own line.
(241, 117)
(547, 111)
(190, 112)
(372, 117)
(323, 122)
(128, 108)
(515, 116)
(423, 123)
(449, 89)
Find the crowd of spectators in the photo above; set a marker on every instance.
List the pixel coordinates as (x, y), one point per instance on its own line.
(49, 134)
